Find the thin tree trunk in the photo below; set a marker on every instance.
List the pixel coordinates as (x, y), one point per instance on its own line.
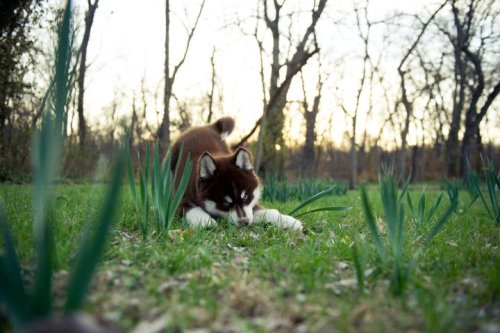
(89, 20)
(163, 132)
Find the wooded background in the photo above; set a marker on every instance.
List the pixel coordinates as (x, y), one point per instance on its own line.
(418, 90)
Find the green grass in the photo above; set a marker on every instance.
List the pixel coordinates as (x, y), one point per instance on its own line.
(261, 279)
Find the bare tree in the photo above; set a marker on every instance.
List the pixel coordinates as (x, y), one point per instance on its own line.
(310, 113)
(89, 20)
(354, 113)
(272, 156)
(406, 100)
(481, 98)
(163, 133)
(473, 36)
(212, 88)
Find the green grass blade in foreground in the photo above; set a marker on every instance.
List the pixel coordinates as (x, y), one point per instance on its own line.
(92, 244)
(410, 205)
(421, 207)
(131, 180)
(46, 156)
(441, 222)
(475, 184)
(491, 182)
(12, 292)
(435, 206)
(144, 183)
(370, 220)
(312, 199)
(183, 183)
(167, 189)
(324, 209)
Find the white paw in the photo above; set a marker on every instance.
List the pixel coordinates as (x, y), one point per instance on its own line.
(198, 218)
(279, 220)
(290, 223)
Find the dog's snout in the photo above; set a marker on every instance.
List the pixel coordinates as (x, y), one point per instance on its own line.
(244, 221)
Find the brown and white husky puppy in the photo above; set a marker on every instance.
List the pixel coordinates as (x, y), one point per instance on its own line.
(222, 183)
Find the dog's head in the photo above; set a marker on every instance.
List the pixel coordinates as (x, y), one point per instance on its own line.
(228, 186)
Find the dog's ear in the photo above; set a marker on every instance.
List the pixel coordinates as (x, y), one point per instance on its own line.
(207, 166)
(243, 159)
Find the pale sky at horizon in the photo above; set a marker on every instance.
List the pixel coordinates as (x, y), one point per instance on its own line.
(127, 45)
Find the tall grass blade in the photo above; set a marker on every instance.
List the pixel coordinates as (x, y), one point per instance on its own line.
(475, 184)
(370, 219)
(144, 183)
(313, 198)
(92, 245)
(12, 293)
(421, 207)
(441, 222)
(489, 173)
(47, 146)
(183, 182)
(131, 179)
(324, 209)
(410, 205)
(435, 206)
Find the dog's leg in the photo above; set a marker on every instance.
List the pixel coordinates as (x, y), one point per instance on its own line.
(276, 218)
(198, 218)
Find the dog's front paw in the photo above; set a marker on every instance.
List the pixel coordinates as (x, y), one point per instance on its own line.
(197, 218)
(291, 223)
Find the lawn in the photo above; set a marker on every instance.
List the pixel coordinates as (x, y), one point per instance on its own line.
(263, 279)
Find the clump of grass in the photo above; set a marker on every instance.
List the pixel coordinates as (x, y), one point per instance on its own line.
(419, 214)
(395, 220)
(168, 185)
(24, 306)
(141, 202)
(313, 198)
(282, 191)
(166, 194)
(490, 203)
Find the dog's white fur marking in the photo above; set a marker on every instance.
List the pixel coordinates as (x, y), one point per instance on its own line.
(243, 194)
(278, 219)
(198, 218)
(223, 136)
(207, 166)
(211, 208)
(243, 161)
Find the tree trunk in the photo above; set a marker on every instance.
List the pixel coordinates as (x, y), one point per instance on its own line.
(353, 157)
(273, 142)
(89, 20)
(308, 154)
(164, 130)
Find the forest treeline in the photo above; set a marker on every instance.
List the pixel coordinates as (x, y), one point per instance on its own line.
(430, 78)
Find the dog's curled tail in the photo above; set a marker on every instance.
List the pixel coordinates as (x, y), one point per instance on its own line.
(223, 126)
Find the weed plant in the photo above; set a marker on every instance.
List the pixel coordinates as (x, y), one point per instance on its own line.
(282, 191)
(309, 201)
(141, 201)
(419, 214)
(167, 188)
(490, 202)
(394, 256)
(24, 304)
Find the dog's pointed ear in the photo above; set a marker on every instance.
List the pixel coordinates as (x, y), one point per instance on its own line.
(207, 166)
(243, 159)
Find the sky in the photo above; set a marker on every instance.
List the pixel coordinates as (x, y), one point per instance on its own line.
(127, 47)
